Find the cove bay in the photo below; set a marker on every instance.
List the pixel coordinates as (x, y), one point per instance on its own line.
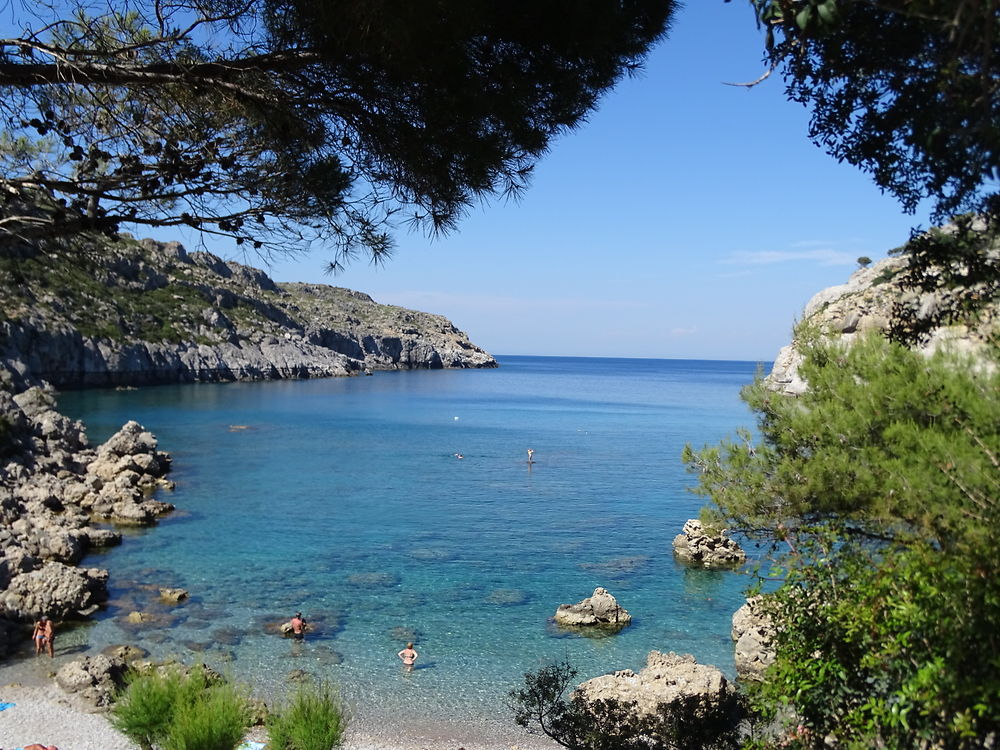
(343, 498)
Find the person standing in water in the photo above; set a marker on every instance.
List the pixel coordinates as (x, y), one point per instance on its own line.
(408, 656)
(43, 636)
(298, 626)
(531, 454)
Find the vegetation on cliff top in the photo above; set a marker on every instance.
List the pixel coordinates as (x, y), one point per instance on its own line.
(124, 290)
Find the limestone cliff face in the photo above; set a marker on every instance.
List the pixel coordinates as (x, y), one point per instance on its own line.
(866, 302)
(134, 313)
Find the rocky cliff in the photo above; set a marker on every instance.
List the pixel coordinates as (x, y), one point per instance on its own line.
(101, 313)
(868, 300)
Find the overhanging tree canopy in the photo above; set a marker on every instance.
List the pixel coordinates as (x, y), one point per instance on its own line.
(279, 122)
(907, 90)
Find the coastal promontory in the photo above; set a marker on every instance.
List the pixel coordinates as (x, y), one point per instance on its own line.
(96, 312)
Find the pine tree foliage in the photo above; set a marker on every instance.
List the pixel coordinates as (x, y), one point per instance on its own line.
(907, 90)
(879, 490)
(281, 122)
(885, 444)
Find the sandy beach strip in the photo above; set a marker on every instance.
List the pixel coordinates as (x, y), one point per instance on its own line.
(49, 716)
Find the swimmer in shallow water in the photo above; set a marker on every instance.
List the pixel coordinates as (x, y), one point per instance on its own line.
(408, 656)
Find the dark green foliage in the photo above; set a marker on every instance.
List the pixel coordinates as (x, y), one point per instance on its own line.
(882, 480)
(581, 724)
(864, 261)
(902, 654)
(885, 443)
(278, 122)
(216, 719)
(959, 265)
(314, 719)
(905, 89)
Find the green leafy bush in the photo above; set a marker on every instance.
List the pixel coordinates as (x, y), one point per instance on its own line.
(145, 707)
(314, 719)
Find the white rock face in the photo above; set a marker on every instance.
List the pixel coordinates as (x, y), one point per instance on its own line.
(866, 303)
(598, 609)
(752, 631)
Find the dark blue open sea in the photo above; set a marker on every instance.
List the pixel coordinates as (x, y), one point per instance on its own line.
(343, 498)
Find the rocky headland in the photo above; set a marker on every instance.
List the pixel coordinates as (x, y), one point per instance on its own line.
(127, 313)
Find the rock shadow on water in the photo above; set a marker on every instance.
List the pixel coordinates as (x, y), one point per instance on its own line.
(463, 592)
(404, 634)
(319, 654)
(591, 632)
(617, 568)
(508, 597)
(372, 580)
(228, 636)
(431, 554)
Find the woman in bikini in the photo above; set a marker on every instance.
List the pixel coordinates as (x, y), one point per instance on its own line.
(408, 656)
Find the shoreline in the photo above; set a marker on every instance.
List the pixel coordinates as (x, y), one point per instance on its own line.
(49, 716)
(44, 713)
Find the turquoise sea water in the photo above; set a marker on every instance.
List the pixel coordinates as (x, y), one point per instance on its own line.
(342, 498)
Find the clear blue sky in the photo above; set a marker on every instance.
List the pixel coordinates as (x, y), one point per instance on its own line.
(685, 219)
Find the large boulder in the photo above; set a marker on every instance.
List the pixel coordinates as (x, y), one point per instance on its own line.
(96, 678)
(599, 609)
(695, 545)
(753, 632)
(55, 589)
(675, 682)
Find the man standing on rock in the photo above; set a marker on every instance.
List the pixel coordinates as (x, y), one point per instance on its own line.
(44, 636)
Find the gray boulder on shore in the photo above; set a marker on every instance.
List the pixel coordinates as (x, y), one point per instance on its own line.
(53, 488)
(753, 632)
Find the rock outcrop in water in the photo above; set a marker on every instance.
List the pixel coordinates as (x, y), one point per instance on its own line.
(696, 546)
(600, 609)
(89, 313)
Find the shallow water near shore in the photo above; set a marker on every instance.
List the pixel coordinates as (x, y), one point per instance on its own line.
(343, 499)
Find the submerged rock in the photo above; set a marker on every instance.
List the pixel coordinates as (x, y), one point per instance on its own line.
(599, 609)
(172, 595)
